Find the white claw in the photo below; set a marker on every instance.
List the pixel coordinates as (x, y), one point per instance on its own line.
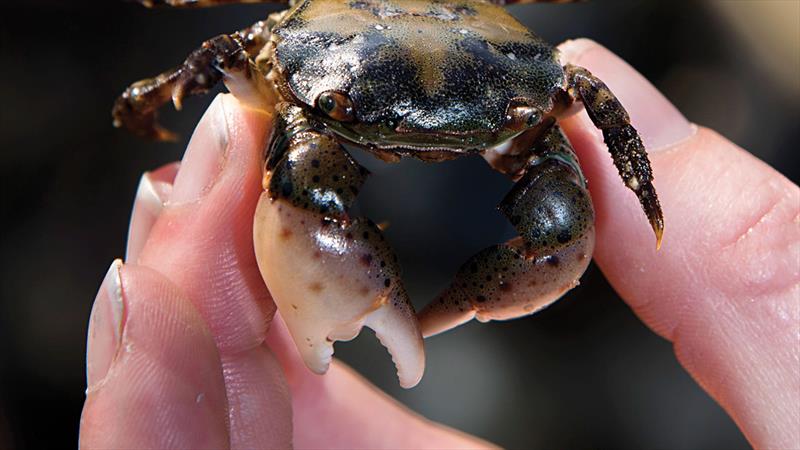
(327, 290)
(400, 334)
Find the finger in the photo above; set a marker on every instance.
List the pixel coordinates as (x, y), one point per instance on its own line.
(202, 241)
(724, 287)
(343, 410)
(144, 389)
(209, 218)
(153, 191)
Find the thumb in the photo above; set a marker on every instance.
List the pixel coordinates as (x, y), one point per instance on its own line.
(724, 287)
(144, 389)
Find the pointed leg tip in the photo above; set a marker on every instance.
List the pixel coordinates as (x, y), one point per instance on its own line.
(165, 135)
(659, 230)
(177, 99)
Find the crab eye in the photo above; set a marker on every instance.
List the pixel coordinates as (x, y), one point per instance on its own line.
(336, 105)
(522, 116)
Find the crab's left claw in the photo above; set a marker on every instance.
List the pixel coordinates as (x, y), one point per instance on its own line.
(329, 274)
(552, 211)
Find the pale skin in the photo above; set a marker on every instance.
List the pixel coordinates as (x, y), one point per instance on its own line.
(185, 349)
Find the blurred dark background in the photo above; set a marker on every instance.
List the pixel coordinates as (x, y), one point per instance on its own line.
(584, 373)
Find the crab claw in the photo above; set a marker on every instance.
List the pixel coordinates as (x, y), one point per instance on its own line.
(329, 279)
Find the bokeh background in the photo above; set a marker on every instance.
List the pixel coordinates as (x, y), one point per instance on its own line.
(584, 373)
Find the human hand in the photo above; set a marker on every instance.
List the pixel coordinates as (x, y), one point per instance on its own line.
(178, 349)
(724, 288)
(190, 368)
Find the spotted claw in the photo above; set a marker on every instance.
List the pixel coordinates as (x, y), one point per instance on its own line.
(329, 279)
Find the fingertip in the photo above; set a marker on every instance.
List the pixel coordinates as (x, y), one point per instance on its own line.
(203, 240)
(164, 385)
(152, 194)
(205, 156)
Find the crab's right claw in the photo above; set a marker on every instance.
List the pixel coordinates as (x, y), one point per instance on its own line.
(329, 280)
(328, 273)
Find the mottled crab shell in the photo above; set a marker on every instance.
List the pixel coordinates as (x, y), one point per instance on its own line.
(415, 69)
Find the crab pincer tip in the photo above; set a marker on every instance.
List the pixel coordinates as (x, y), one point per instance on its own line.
(658, 228)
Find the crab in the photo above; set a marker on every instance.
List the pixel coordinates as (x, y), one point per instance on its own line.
(434, 80)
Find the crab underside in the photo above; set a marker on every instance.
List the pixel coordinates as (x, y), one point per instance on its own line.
(432, 80)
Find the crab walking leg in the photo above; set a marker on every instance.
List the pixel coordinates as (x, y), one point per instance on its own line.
(551, 210)
(202, 3)
(523, 2)
(328, 273)
(225, 57)
(623, 141)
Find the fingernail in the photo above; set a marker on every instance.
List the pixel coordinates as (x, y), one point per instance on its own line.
(204, 157)
(151, 195)
(105, 327)
(656, 119)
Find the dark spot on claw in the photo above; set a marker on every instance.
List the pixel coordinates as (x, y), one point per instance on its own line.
(383, 263)
(315, 178)
(286, 233)
(480, 299)
(349, 236)
(314, 163)
(488, 278)
(295, 307)
(365, 235)
(387, 282)
(553, 261)
(564, 236)
(366, 259)
(515, 220)
(505, 286)
(286, 189)
(315, 287)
